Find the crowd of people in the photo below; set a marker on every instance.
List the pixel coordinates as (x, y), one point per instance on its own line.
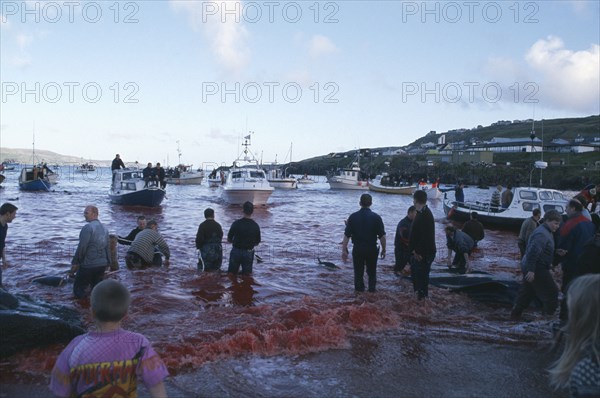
(571, 241)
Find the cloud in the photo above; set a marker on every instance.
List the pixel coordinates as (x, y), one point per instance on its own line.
(223, 28)
(217, 134)
(23, 41)
(567, 79)
(21, 61)
(320, 45)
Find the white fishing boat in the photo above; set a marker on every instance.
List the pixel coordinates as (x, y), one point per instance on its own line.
(383, 183)
(128, 188)
(348, 178)
(246, 180)
(305, 180)
(184, 175)
(217, 178)
(278, 177)
(85, 168)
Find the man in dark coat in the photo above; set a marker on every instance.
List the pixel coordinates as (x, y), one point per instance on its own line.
(422, 245)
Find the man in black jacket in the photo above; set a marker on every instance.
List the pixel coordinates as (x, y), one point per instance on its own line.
(422, 245)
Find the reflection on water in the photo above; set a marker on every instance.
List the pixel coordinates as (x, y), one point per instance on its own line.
(291, 305)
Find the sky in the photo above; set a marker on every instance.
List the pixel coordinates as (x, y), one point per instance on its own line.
(302, 78)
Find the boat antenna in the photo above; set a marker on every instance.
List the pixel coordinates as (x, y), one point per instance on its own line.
(542, 157)
(178, 153)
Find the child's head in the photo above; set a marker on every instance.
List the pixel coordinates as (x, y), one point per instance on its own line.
(110, 301)
(584, 313)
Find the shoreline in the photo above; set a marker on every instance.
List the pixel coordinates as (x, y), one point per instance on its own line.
(390, 365)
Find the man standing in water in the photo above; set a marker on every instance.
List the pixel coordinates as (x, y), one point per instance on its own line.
(537, 279)
(401, 240)
(364, 227)
(92, 255)
(244, 235)
(422, 245)
(527, 228)
(8, 212)
(208, 241)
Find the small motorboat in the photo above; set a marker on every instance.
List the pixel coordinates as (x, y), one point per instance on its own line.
(129, 189)
(523, 203)
(382, 183)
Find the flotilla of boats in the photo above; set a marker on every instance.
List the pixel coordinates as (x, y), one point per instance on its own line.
(246, 180)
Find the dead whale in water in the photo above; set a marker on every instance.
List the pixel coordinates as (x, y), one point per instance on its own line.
(327, 264)
(26, 322)
(55, 281)
(478, 285)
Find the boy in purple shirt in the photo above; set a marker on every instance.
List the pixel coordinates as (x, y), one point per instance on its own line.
(109, 361)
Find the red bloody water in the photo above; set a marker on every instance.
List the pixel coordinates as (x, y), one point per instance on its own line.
(291, 305)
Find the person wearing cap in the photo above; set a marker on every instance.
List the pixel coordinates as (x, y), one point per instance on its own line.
(364, 227)
(243, 235)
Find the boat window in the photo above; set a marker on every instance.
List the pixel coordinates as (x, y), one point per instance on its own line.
(126, 176)
(528, 195)
(558, 196)
(529, 206)
(257, 174)
(237, 174)
(558, 208)
(129, 186)
(545, 195)
(353, 173)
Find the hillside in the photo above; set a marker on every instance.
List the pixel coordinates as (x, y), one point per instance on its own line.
(21, 155)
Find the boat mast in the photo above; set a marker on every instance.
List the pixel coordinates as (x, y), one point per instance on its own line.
(178, 152)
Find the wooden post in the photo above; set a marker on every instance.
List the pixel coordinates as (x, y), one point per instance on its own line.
(114, 254)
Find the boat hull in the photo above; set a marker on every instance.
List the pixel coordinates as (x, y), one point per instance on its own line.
(283, 183)
(406, 190)
(305, 181)
(354, 185)
(186, 180)
(239, 196)
(214, 182)
(37, 185)
(149, 197)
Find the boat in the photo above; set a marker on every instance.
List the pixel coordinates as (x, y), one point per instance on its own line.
(85, 168)
(184, 175)
(524, 201)
(246, 180)
(305, 180)
(33, 179)
(50, 174)
(278, 177)
(216, 180)
(433, 192)
(382, 183)
(348, 178)
(129, 189)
